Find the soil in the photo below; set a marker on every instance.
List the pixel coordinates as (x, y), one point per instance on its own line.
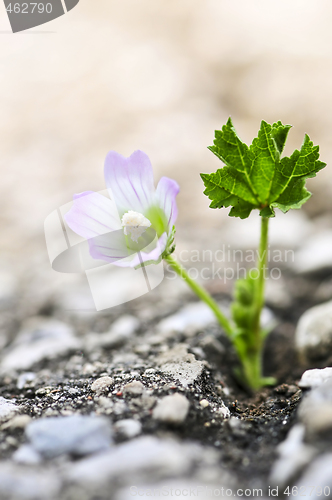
(247, 443)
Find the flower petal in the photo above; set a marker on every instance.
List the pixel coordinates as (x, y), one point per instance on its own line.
(92, 214)
(166, 192)
(129, 180)
(115, 245)
(150, 255)
(109, 247)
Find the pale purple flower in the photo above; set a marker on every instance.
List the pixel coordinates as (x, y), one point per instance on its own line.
(135, 210)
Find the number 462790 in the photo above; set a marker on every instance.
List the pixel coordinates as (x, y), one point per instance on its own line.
(29, 8)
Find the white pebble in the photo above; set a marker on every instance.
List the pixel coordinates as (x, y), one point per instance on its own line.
(101, 384)
(135, 388)
(204, 403)
(315, 378)
(172, 409)
(128, 427)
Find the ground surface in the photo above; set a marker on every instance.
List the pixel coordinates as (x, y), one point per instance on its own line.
(237, 432)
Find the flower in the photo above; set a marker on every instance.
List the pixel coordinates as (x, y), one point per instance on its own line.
(136, 216)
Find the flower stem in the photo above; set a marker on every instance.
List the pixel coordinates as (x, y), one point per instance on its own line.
(202, 294)
(252, 363)
(261, 266)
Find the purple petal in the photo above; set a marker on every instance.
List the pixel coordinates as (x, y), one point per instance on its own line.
(153, 255)
(166, 193)
(109, 247)
(129, 180)
(92, 214)
(114, 246)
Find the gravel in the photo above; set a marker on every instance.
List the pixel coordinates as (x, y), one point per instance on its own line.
(78, 435)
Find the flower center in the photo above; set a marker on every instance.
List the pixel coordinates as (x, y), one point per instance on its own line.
(134, 224)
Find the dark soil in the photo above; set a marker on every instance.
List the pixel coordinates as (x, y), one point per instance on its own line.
(247, 444)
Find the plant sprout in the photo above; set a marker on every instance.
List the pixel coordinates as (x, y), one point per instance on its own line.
(254, 177)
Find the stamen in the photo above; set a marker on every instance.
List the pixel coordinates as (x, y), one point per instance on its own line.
(134, 223)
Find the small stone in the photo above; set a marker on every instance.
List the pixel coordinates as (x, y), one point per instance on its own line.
(223, 412)
(315, 255)
(313, 336)
(39, 339)
(7, 409)
(24, 378)
(238, 427)
(21, 482)
(294, 455)
(121, 331)
(181, 365)
(77, 434)
(18, 422)
(318, 476)
(49, 412)
(88, 369)
(120, 407)
(315, 378)
(204, 403)
(102, 384)
(145, 456)
(172, 409)
(26, 454)
(134, 388)
(315, 411)
(189, 319)
(104, 402)
(128, 427)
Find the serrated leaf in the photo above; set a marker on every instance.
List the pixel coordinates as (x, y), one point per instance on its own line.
(255, 176)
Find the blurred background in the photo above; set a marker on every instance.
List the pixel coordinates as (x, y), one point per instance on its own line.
(158, 76)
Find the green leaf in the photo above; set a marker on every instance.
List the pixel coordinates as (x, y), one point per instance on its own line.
(256, 177)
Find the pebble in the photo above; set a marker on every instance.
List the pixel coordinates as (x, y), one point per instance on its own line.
(223, 412)
(315, 377)
(26, 454)
(7, 409)
(121, 331)
(39, 339)
(77, 434)
(24, 378)
(129, 427)
(18, 422)
(315, 411)
(141, 457)
(172, 409)
(102, 384)
(181, 365)
(315, 255)
(317, 476)
(313, 336)
(294, 455)
(189, 319)
(204, 403)
(134, 388)
(22, 482)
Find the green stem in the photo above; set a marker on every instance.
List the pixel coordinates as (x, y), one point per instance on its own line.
(202, 294)
(261, 266)
(252, 362)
